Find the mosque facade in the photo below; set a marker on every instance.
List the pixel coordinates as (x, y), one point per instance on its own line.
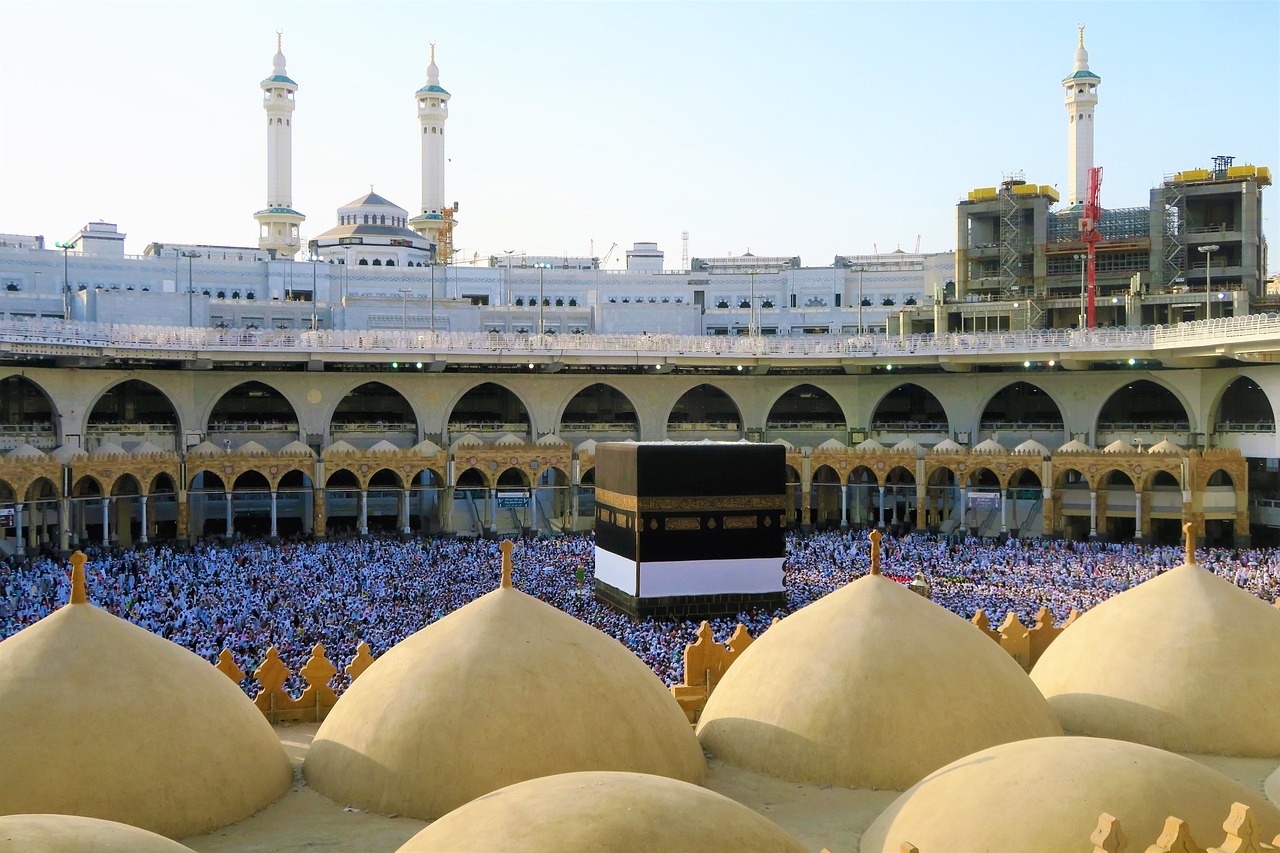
(139, 393)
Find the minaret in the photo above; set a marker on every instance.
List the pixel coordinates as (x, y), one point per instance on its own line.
(278, 222)
(436, 222)
(1082, 98)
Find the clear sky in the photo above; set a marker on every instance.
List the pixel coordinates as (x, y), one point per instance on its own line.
(809, 129)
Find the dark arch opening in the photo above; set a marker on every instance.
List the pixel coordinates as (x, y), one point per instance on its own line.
(706, 408)
(374, 410)
(134, 411)
(910, 407)
(489, 407)
(1022, 406)
(252, 407)
(26, 412)
(806, 407)
(1244, 407)
(600, 408)
(1143, 405)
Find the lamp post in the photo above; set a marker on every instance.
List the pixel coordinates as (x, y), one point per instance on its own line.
(404, 308)
(508, 253)
(314, 257)
(66, 278)
(542, 329)
(1208, 280)
(190, 288)
(751, 306)
(1082, 259)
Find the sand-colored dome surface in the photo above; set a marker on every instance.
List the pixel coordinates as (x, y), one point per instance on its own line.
(502, 690)
(60, 833)
(601, 812)
(1272, 787)
(1186, 661)
(117, 723)
(1047, 794)
(872, 686)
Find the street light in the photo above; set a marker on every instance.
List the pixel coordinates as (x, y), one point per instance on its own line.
(66, 282)
(542, 329)
(404, 307)
(1208, 283)
(1082, 259)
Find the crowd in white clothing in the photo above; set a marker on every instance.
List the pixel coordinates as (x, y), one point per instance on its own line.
(249, 596)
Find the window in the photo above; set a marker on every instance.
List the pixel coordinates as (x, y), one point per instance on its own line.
(235, 294)
(364, 262)
(377, 262)
(222, 294)
(573, 303)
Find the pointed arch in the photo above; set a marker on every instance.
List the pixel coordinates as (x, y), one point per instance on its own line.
(704, 408)
(489, 407)
(1021, 405)
(806, 407)
(599, 407)
(910, 407)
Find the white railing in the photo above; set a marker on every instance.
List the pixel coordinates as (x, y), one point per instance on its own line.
(413, 343)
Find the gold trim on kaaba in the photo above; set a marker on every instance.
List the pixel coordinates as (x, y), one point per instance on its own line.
(615, 499)
(740, 522)
(681, 523)
(690, 504)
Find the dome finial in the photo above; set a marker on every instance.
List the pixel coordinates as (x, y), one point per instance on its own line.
(78, 559)
(875, 537)
(506, 548)
(279, 40)
(1189, 537)
(1080, 27)
(433, 50)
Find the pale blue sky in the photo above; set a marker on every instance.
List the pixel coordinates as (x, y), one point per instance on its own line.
(804, 129)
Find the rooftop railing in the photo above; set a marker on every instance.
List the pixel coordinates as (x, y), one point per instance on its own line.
(61, 335)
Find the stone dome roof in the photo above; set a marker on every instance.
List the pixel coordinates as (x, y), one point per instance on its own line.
(146, 448)
(426, 447)
(505, 689)
(833, 444)
(130, 727)
(1075, 445)
(908, 445)
(251, 448)
(1186, 661)
(60, 833)
(340, 446)
(24, 450)
(109, 448)
(1032, 446)
(1166, 446)
(872, 686)
(1047, 794)
(948, 446)
(988, 446)
(510, 439)
(205, 448)
(296, 448)
(869, 444)
(383, 446)
(551, 440)
(602, 812)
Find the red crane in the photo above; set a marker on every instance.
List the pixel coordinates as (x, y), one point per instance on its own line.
(1089, 232)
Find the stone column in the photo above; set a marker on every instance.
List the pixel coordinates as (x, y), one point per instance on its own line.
(493, 510)
(364, 512)
(404, 512)
(64, 525)
(1093, 513)
(319, 524)
(228, 512)
(533, 508)
(1004, 527)
(275, 533)
(964, 508)
(922, 504)
(184, 517)
(106, 522)
(142, 500)
(1047, 515)
(1138, 529)
(882, 491)
(844, 505)
(21, 543)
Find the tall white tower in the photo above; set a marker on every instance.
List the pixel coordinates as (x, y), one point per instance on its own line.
(1082, 99)
(278, 222)
(436, 221)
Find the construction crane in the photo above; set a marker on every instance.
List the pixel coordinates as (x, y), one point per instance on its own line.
(1089, 221)
(608, 256)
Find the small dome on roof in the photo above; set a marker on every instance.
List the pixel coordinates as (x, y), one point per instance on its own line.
(1117, 446)
(833, 444)
(948, 446)
(988, 446)
(782, 441)
(1060, 785)
(296, 448)
(480, 700)
(23, 451)
(1075, 445)
(426, 447)
(510, 440)
(1134, 667)
(551, 440)
(60, 833)
(588, 446)
(128, 726)
(205, 448)
(109, 448)
(869, 445)
(602, 811)
(384, 446)
(146, 448)
(468, 440)
(340, 446)
(919, 685)
(66, 454)
(1032, 446)
(251, 448)
(908, 445)
(1166, 446)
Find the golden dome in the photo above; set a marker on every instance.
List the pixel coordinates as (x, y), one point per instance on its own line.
(1186, 661)
(120, 724)
(872, 686)
(1047, 794)
(502, 690)
(601, 812)
(60, 833)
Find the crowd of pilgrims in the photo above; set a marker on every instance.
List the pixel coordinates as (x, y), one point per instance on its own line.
(249, 596)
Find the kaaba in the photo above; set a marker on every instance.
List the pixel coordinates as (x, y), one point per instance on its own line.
(690, 529)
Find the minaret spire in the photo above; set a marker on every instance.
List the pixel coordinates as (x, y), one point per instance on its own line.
(436, 222)
(278, 222)
(1081, 101)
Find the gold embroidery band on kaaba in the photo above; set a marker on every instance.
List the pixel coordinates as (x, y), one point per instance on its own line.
(690, 504)
(740, 522)
(681, 523)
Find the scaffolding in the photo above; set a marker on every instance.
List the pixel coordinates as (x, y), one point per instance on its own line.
(1011, 240)
(1122, 223)
(1173, 197)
